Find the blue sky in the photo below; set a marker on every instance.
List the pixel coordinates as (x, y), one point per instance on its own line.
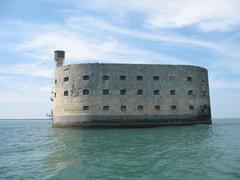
(205, 33)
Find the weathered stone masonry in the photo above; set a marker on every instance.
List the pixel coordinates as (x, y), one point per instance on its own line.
(126, 95)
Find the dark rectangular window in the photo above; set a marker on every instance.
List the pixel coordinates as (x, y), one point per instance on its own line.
(171, 77)
(191, 107)
(189, 78)
(66, 79)
(105, 77)
(105, 108)
(123, 91)
(85, 77)
(55, 81)
(139, 92)
(203, 107)
(85, 108)
(140, 108)
(190, 92)
(65, 93)
(155, 78)
(156, 92)
(203, 92)
(85, 92)
(123, 108)
(157, 107)
(122, 77)
(139, 78)
(55, 94)
(105, 92)
(173, 107)
(172, 91)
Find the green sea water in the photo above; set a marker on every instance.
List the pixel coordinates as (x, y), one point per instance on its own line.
(31, 149)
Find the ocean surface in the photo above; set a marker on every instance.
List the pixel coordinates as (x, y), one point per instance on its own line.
(31, 149)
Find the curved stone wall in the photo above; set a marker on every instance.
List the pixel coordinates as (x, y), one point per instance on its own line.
(130, 94)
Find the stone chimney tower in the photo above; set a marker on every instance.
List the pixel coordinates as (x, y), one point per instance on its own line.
(59, 57)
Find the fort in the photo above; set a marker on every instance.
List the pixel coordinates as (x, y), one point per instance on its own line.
(129, 95)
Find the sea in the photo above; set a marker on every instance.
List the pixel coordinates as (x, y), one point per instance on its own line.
(32, 149)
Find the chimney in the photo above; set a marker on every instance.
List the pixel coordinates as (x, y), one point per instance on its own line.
(59, 57)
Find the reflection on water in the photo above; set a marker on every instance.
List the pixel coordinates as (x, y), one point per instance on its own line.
(175, 152)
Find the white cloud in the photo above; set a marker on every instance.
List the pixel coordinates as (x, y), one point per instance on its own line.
(100, 44)
(48, 41)
(208, 15)
(95, 23)
(90, 39)
(15, 97)
(92, 25)
(27, 70)
(25, 100)
(93, 38)
(221, 24)
(220, 84)
(26, 90)
(217, 15)
(46, 89)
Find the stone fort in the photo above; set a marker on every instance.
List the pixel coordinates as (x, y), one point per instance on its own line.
(129, 95)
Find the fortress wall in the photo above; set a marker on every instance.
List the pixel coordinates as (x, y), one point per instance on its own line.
(171, 77)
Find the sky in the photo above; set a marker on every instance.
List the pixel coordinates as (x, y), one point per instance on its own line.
(198, 32)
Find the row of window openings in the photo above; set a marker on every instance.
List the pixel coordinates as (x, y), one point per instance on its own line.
(124, 92)
(140, 108)
(155, 78)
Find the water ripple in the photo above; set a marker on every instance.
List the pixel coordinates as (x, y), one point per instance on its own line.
(34, 150)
